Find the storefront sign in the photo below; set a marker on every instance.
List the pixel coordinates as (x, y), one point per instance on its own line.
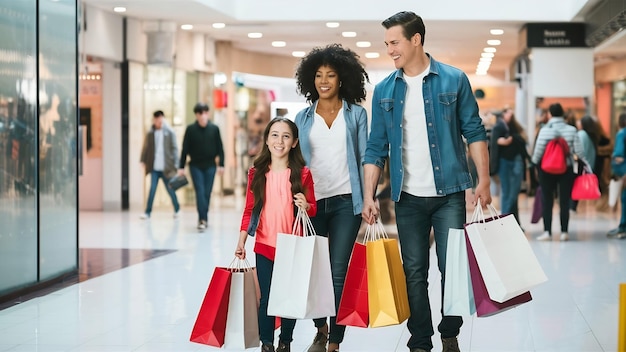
(557, 35)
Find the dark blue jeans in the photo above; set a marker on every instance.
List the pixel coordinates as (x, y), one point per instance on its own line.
(154, 181)
(414, 217)
(335, 219)
(511, 173)
(267, 324)
(203, 185)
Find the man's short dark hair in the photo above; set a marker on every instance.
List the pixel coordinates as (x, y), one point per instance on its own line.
(556, 110)
(158, 113)
(200, 108)
(410, 22)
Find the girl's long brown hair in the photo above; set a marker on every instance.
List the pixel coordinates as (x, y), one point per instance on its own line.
(264, 160)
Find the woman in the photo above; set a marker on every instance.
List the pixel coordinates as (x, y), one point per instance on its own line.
(618, 166)
(277, 182)
(550, 183)
(589, 136)
(333, 134)
(507, 137)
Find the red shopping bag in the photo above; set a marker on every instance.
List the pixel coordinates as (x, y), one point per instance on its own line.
(353, 307)
(485, 306)
(210, 326)
(586, 187)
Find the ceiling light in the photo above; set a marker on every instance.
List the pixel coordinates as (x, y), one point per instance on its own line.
(483, 64)
(493, 42)
(298, 53)
(186, 27)
(255, 35)
(481, 73)
(119, 9)
(348, 34)
(363, 44)
(487, 55)
(496, 31)
(219, 25)
(332, 24)
(372, 55)
(489, 50)
(279, 44)
(485, 59)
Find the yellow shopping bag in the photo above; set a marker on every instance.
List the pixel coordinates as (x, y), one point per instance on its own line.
(388, 301)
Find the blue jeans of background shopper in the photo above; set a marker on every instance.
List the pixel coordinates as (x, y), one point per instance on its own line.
(335, 219)
(414, 217)
(511, 173)
(622, 219)
(267, 324)
(203, 185)
(154, 181)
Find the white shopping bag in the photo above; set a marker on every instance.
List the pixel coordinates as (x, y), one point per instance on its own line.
(505, 258)
(242, 323)
(302, 284)
(615, 190)
(458, 295)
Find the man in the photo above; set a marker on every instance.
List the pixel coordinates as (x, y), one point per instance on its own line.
(159, 157)
(550, 183)
(420, 114)
(203, 144)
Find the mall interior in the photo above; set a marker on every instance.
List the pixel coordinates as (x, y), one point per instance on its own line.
(80, 79)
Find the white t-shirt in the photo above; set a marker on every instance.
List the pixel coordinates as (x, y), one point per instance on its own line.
(159, 154)
(419, 179)
(329, 156)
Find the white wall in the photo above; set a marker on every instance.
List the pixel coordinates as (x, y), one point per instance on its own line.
(111, 137)
(136, 127)
(562, 72)
(101, 35)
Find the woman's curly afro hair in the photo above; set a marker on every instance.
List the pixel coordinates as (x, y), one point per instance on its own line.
(344, 61)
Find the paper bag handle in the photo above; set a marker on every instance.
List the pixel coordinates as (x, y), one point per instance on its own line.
(374, 232)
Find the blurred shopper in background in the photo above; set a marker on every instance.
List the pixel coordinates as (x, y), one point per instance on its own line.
(549, 183)
(509, 144)
(203, 144)
(159, 156)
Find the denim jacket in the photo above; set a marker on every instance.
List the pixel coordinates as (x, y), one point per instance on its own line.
(356, 139)
(451, 120)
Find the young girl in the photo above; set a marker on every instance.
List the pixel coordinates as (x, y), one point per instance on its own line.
(278, 180)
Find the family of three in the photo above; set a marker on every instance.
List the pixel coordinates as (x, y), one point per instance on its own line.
(423, 114)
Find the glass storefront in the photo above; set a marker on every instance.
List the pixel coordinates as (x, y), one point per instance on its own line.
(38, 236)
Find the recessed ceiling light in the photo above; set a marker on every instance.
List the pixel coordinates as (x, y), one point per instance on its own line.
(332, 24)
(298, 53)
(496, 31)
(348, 34)
(487, 55)
(372, 55)
(186, 27)
(493, 42)
(119, 9)
(489, 50)
(255, 35)
(219, 25)
(278, 44)
(483, 64)
(485, 59)
(481, 73)
(363, 44)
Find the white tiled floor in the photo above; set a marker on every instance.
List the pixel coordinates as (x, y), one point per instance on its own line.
(152, 306)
